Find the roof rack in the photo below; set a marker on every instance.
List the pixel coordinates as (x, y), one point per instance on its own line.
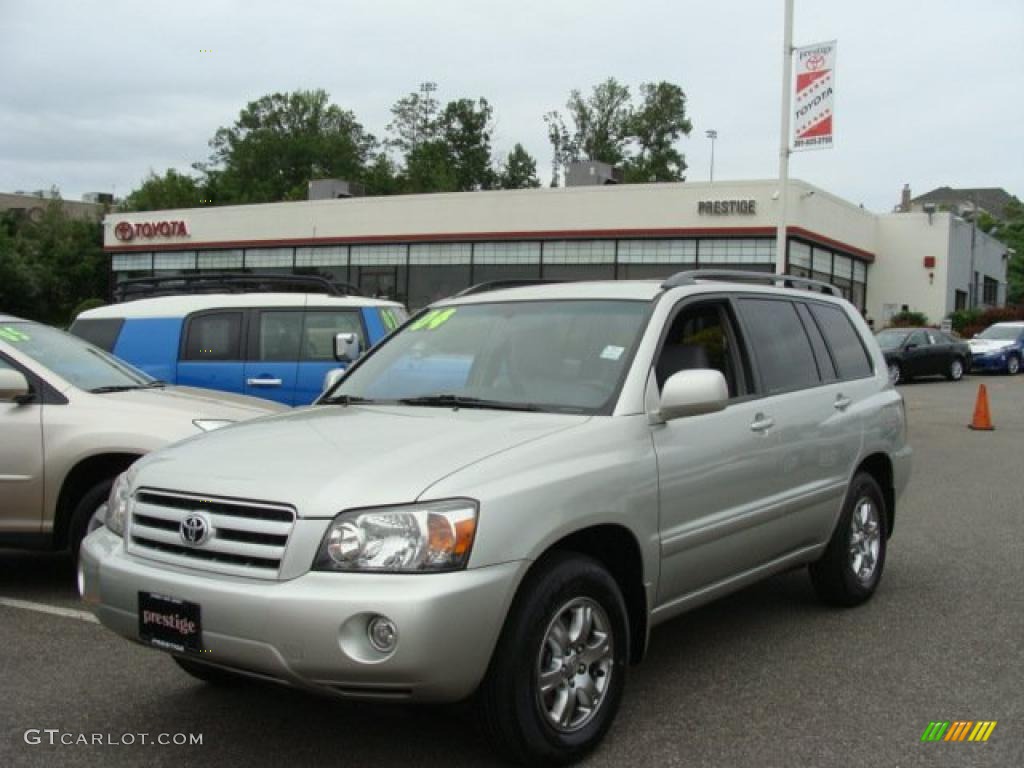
(227, 282)
(690, 277)
(497, 285)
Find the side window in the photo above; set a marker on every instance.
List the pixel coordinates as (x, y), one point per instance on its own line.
(847, 350)
(826, 365)
(101, 332)
(780, 345)
(703, 336)
(280, 334)
(320, 330)
(214, 336)
(919, 338)
(933, 338)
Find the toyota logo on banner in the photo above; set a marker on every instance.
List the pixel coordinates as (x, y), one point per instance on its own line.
(194, 529)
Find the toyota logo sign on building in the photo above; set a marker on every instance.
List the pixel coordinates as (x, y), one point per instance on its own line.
(149, 230)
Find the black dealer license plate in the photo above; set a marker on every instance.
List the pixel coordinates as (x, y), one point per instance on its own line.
(169, 623)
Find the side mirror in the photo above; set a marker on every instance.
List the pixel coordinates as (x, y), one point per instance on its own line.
(346, 347)
(689, 393)
(331, 378)
(910, 345)
(14, 387)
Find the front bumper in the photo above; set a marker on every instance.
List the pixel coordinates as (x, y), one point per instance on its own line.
(310, 631)
(988, 363)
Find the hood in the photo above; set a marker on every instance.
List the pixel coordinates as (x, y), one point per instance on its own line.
(328, 458)
(195, 403)
(989, 345)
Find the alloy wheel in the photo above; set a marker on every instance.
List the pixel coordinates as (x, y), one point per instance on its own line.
(575, 665)
(865, 540)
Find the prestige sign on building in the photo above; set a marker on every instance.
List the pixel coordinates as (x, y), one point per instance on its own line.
(815, 96)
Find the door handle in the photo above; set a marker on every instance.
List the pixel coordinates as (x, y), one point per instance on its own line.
(263, 382)
(842, 403)
(762, 423)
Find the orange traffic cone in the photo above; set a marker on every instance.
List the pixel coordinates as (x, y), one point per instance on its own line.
(982, 419)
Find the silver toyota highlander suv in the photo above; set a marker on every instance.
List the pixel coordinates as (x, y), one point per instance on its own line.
(508, 493)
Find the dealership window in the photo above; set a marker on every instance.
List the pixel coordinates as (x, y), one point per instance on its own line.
(821, 264)
(262, 258)
(378, 255)
(960, 299)
(578, 252)
(736, 251)
(440, 253)
(799, 259)
(218, 260)
(322, 256)
(175, 260)
(428, 283)
(520, 253)
(519, 260)
(680, 252)
(131, 262)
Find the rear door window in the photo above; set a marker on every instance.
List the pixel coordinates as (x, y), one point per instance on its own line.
(101, 332)
(785, 360)
(214, 336)
(848, 351)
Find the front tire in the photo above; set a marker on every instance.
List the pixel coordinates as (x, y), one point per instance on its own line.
(1012, 365)
(557, 675)
(956, 369)
(849, 571)
(895, 373)
(86, 509)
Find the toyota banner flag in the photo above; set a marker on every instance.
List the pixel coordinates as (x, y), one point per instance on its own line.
(815, 96)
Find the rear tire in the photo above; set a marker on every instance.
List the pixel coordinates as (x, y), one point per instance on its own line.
(849, 571)
(956, 369)
(545, 701)
(206, 673)
(83, 513)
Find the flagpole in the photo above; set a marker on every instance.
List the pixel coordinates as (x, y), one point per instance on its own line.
(787, 76)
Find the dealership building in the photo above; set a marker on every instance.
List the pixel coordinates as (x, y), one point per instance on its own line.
(420, 248)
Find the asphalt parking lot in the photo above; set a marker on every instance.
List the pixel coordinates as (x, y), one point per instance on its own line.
(767, 677)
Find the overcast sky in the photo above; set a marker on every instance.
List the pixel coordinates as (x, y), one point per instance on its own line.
(93, 95)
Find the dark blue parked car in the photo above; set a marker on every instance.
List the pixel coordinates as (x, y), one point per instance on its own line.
(278, 346)
(999, 347)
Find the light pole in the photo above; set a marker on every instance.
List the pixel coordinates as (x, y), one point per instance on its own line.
(712, 134)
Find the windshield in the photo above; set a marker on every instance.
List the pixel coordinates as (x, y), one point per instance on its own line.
(891, 339)
(567, 356)
(1001, 332)
(82, 364)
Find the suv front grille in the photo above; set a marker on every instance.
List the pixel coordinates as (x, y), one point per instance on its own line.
(242, 538)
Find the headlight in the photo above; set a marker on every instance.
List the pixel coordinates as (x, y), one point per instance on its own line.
(428, 537)
(117, 504)
(208, 425)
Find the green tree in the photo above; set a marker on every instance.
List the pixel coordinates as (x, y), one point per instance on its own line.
(172, 190)
(1010, 231)
(429, 168)
(415, 119)
(657, 125)
(466, 126)
(281, 141)
(608, 127)
(47, 267)
(519, 171)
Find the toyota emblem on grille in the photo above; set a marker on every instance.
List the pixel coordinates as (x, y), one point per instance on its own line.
(194, 529)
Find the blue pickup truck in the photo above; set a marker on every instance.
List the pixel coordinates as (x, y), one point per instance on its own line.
(278, 346)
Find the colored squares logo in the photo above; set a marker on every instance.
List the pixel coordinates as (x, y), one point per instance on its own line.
(959, 730)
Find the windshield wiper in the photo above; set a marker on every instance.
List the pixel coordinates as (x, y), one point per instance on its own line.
(462, 401)
(128, 387)
(349, 400)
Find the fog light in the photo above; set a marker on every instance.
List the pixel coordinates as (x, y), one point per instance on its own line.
(383, 634)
